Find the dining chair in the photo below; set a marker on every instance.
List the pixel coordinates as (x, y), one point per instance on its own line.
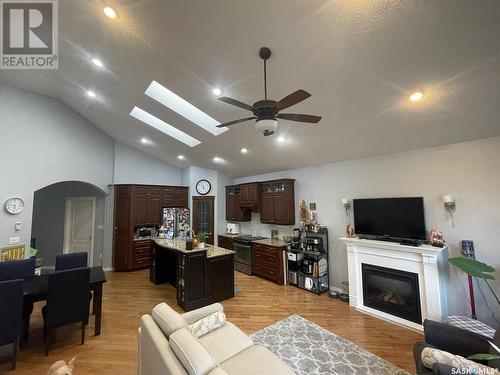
(71, 260)
(11, 314)
(20, 269)
(67, 301)
(17, 269)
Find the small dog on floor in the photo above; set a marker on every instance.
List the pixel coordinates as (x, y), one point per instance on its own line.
(62, 368)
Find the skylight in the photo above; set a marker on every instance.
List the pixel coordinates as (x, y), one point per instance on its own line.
(162, 126)
(173, 101)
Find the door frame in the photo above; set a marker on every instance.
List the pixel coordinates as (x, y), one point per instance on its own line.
(68, 223)
(204, 197)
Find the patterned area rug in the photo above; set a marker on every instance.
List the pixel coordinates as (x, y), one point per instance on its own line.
(309, 350)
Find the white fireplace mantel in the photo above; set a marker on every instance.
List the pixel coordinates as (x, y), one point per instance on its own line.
(426, 261)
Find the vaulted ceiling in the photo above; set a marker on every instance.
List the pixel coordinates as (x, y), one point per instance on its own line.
(360, 60)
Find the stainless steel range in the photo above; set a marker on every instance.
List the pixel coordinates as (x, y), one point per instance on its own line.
(242, 246)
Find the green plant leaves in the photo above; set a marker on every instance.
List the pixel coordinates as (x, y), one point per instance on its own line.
(483, 357)
(473, 267)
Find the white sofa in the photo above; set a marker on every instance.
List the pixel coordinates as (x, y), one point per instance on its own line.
(168, 347)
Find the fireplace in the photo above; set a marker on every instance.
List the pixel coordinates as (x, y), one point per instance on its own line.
(392, 291)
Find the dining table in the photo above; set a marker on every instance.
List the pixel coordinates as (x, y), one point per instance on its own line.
(36, 289)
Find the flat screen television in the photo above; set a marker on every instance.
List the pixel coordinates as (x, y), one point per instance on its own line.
(390, 218)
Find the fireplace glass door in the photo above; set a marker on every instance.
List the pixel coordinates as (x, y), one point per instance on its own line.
(392, 291)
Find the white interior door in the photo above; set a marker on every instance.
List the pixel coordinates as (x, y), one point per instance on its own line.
(79, 225)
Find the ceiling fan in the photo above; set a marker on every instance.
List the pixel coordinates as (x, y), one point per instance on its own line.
(267, 112)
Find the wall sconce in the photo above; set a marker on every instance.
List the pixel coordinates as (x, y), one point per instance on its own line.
(347, 206)
(450, 206)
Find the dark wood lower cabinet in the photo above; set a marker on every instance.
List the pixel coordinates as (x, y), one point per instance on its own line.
(202, 281)
(268, 262)
(225, 242)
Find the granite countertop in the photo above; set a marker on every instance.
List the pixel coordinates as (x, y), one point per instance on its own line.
(180, 246)
(271, 242)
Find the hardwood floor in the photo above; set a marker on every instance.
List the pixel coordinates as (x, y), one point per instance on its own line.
(260, 303)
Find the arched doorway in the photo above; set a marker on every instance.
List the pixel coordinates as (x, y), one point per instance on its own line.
(68, 217)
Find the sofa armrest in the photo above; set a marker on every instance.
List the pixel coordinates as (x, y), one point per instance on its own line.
(454, 340)
(193, 316)
(442, 369)
(156, 355)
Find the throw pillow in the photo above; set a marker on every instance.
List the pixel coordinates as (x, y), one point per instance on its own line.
(430, 356)
(208, 324)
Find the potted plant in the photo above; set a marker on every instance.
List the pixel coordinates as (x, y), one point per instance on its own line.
(202, 237)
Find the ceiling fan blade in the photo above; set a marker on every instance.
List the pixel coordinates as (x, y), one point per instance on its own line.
(235, 122)
(293, 98)
(299, 117)
(235, 102)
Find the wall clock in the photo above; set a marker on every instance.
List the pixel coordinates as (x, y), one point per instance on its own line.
(14, 206)
(203, 187)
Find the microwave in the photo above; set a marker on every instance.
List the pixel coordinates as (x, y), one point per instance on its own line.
(146, 232)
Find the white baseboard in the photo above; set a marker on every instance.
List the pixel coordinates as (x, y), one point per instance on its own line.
(108, 269)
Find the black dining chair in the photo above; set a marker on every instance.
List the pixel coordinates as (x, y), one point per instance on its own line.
(71, 260)
(20, 269)
(17, 269)
(11, 314)
(67, 301)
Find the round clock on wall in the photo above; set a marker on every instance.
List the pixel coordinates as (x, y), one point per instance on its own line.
(14, 206)
(203, 187)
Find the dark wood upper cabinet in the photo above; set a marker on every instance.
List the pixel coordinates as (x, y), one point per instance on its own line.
(267, 208)
(277, 202)
(140, 216)
(249, 195)
(153, 210)
(233, 210)
(174, 197)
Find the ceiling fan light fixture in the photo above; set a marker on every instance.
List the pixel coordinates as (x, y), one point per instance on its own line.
(267, 126)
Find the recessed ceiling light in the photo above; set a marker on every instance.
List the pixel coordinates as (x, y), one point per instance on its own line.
(244, 150)
(97, 62)
(216, 91)
(281, 139)
(110, 12)
(181, 157)
(146, 141)
(162, 126)
(417, 96)
(91, 94)
(218, 159)
(173, 101)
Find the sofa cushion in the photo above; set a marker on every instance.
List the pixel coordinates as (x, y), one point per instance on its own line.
(225, 342)
(431, 356)
(256, 360)
(168, 319)
(193, 356)
(208, 324)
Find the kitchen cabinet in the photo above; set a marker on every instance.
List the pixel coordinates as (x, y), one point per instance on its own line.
(233, 210)
(174, 197)
(137, 206)
(249, 195)
(267, 262)
(277, 202)
(225, 242)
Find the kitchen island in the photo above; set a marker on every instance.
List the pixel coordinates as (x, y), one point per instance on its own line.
(201, 276)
